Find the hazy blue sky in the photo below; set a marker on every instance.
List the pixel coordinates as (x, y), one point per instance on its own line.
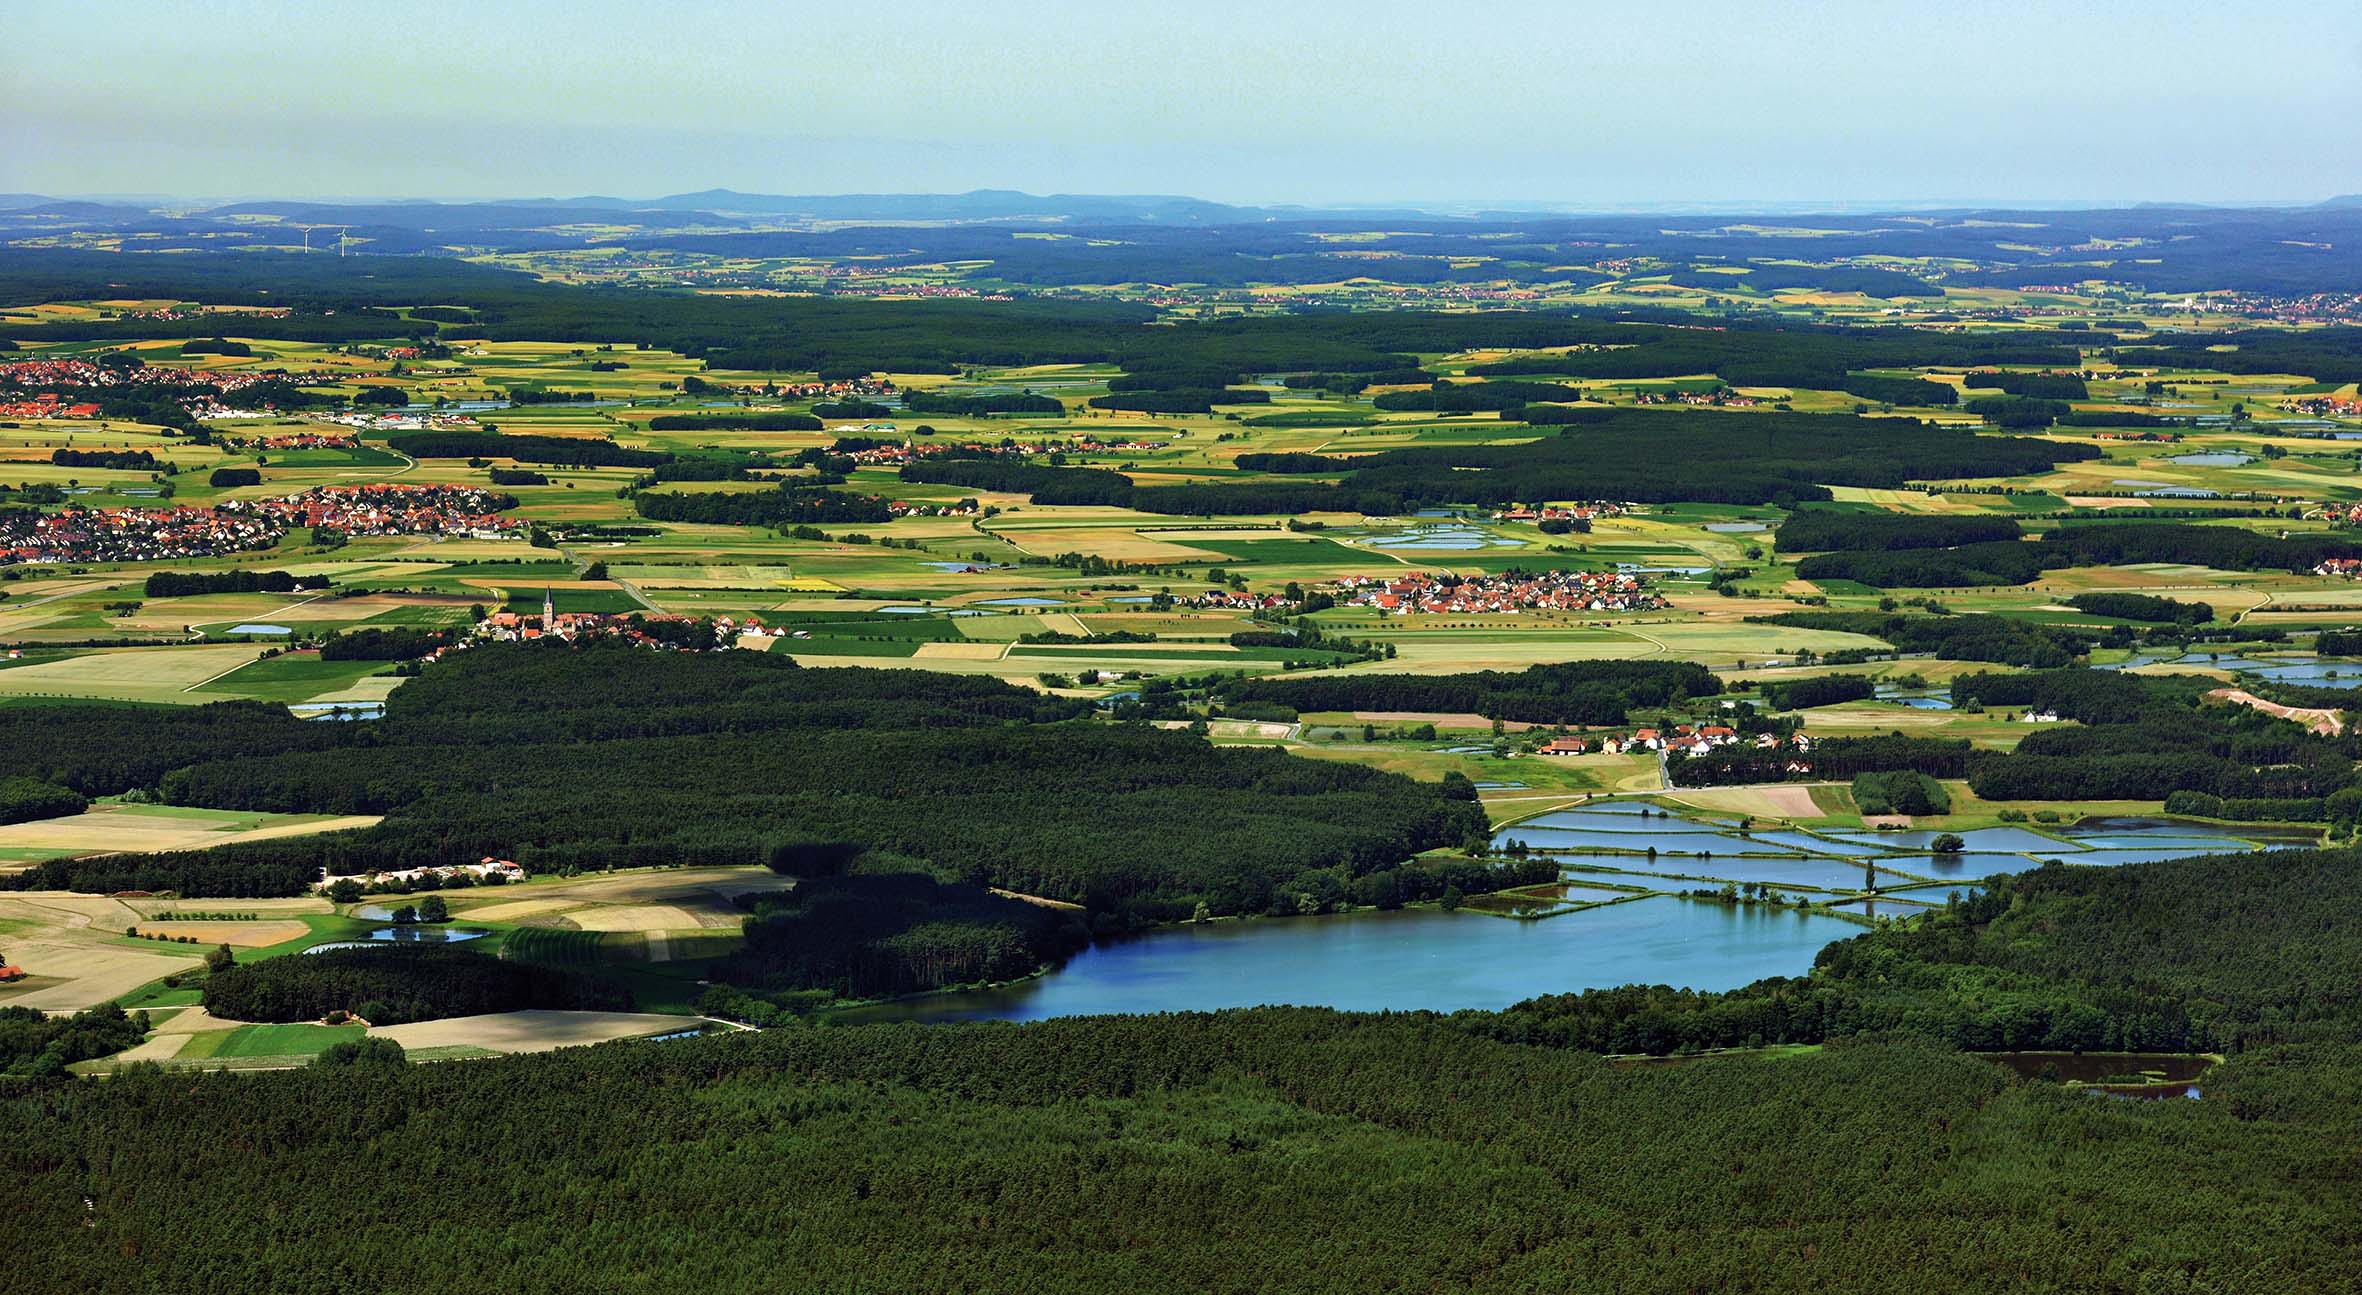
(1590, 104)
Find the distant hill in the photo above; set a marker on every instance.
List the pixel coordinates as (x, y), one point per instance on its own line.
(977, 204)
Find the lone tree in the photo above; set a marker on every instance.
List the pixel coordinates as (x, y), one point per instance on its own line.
(221, 959)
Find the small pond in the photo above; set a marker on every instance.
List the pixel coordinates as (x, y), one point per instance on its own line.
(1451, 537)
(385, 935)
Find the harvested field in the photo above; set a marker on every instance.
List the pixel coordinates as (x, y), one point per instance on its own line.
(110, 828)
(516, 910)
(70, 977)
(635, 917)
(531, 1031)
(961, 651)
(138, 674)
(1441, 719)
(238, 935)
(1783, 801)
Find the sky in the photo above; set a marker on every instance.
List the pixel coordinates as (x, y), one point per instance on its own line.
(1582, 105)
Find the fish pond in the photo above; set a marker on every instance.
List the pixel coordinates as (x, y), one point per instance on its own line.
(1599, 926)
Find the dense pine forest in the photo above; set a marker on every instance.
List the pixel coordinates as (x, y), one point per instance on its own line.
(1579, 692)
(585, 759)
(1311, 1150)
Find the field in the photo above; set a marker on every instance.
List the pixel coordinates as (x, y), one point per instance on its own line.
(529, 1031)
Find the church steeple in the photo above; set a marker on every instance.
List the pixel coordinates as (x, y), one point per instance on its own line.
(549, 612)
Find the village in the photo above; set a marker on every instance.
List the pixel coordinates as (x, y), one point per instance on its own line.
(1506, 593)
(1682, 739)
(78, 534)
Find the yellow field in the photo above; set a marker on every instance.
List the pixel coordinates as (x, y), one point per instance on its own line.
(961, 651)
(240, 935)
(73, 948)
(375, 688)
(633, 917)
(1787, 801)
(111, 828)
(530, 1031)
(1112, 544)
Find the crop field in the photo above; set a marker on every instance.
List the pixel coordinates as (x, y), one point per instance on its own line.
(144, 674)
(529, 1031)
(108, 828)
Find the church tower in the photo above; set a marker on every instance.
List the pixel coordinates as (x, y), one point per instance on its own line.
(549, 612)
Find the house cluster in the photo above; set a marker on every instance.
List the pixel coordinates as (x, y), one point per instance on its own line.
(292, 441)
(2321, 407)
(1089, 444)
(914, 508)
(2350, 568)
(1547, 513)
(409, 420)
(631, 627)
(1683, 738)
(1232, 599)
(897, 453)
(487, 870)
(78, 534)
(1719, 398)
(2166, 437)
(84, 373)
(1507, 592)
(199, 312)
(869, 386)
(48, 405)
(380, 508)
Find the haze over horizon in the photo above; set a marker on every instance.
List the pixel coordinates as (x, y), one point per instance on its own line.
(1838, 104)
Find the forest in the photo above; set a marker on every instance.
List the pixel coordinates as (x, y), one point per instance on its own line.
(790, 503)
(873, 935)
(1639, 455)
(2142, 607)
(597, 757)
(568, 451)
(36, 1045)
(1831, 758)
(1979, 637)
(1818, 690)
(1816, 530)
(1577, 692)
(2017, 562)
(734, 423)
(1216, 1150)
(187, 584)
(397, 984)
(2142, 737)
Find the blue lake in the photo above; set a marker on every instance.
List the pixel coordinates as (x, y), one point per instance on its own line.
(1401, 961)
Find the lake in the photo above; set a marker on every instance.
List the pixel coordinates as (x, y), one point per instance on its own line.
(1428, 959)
(1414, 959)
